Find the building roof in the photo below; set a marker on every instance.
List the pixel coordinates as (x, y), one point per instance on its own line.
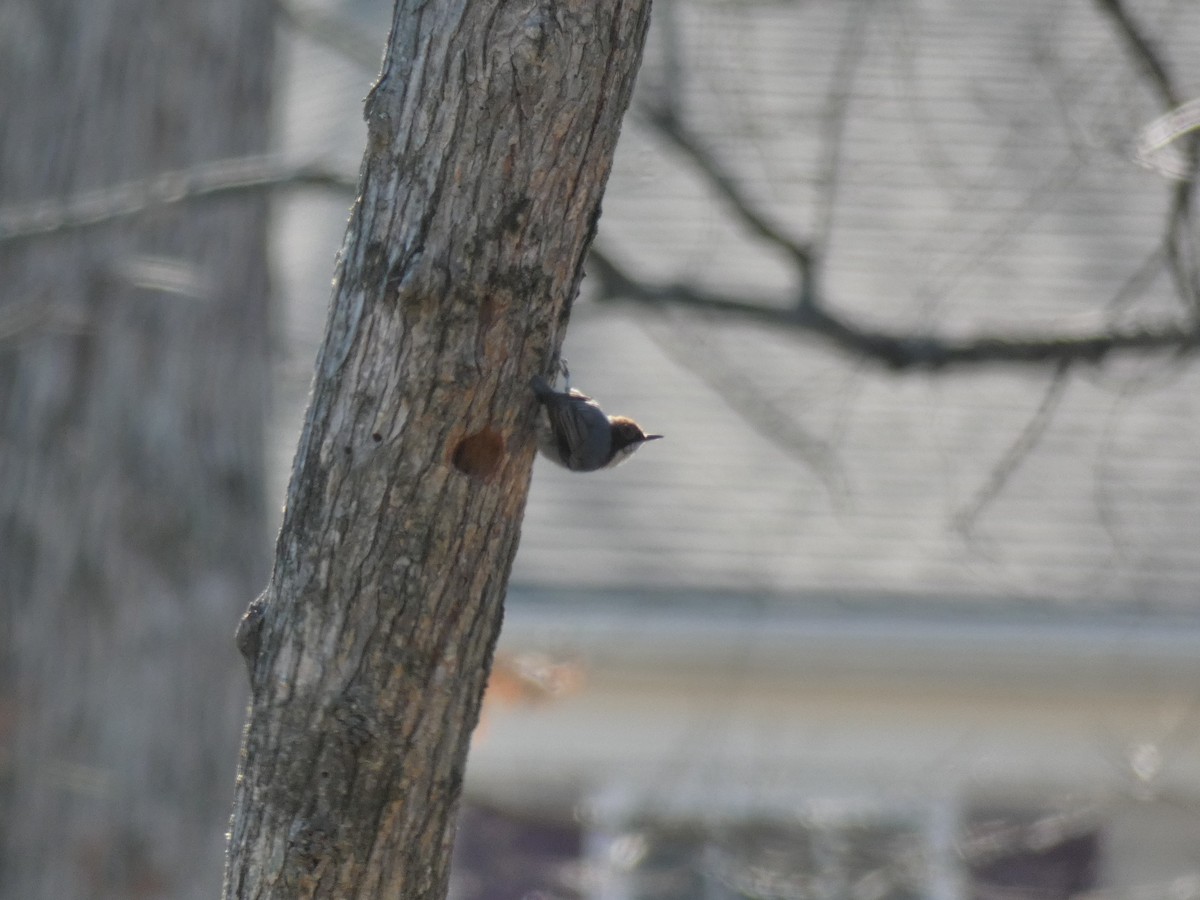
(984, 181)
(894, 639)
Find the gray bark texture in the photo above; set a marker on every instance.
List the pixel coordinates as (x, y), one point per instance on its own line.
(490, 138)
(133, 381)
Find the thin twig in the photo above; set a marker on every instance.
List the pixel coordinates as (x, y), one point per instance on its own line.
(335, 31)
(1143, 51)
(899, 350)
(131, 198)
(1180, 244)
(1017, 452)
(1180, 237)
(834, 118)
(758, 409)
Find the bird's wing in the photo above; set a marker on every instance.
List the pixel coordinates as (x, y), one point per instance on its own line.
(573, 417)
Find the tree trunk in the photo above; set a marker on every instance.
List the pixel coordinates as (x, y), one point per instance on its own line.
(133, 378)
(490, 137)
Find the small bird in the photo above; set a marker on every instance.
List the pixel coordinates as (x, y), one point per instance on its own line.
(574, 432)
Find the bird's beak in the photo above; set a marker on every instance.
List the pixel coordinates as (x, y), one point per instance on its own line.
(651, 437)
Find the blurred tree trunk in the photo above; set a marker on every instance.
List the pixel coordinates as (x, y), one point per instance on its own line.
(133, 376)
(490, 138)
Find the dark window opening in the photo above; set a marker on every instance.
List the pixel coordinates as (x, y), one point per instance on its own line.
(1011, 856)
(502, 856)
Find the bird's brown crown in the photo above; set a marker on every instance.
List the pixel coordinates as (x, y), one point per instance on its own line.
(626, 432)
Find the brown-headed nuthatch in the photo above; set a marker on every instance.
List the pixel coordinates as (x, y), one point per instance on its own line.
(574, 432)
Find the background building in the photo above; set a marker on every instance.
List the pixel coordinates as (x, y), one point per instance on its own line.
(851, 632)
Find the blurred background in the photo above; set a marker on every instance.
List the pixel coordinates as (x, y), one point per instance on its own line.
(852, 631)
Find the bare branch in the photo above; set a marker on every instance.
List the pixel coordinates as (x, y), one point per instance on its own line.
(1180, 243)
(131, 198)
(667, 123)
(1143, 51)
(1180, 237)
(758, 410)
(898, 350)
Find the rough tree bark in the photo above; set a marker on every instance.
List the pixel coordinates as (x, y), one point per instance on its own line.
(490, 136)
(133, 382)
